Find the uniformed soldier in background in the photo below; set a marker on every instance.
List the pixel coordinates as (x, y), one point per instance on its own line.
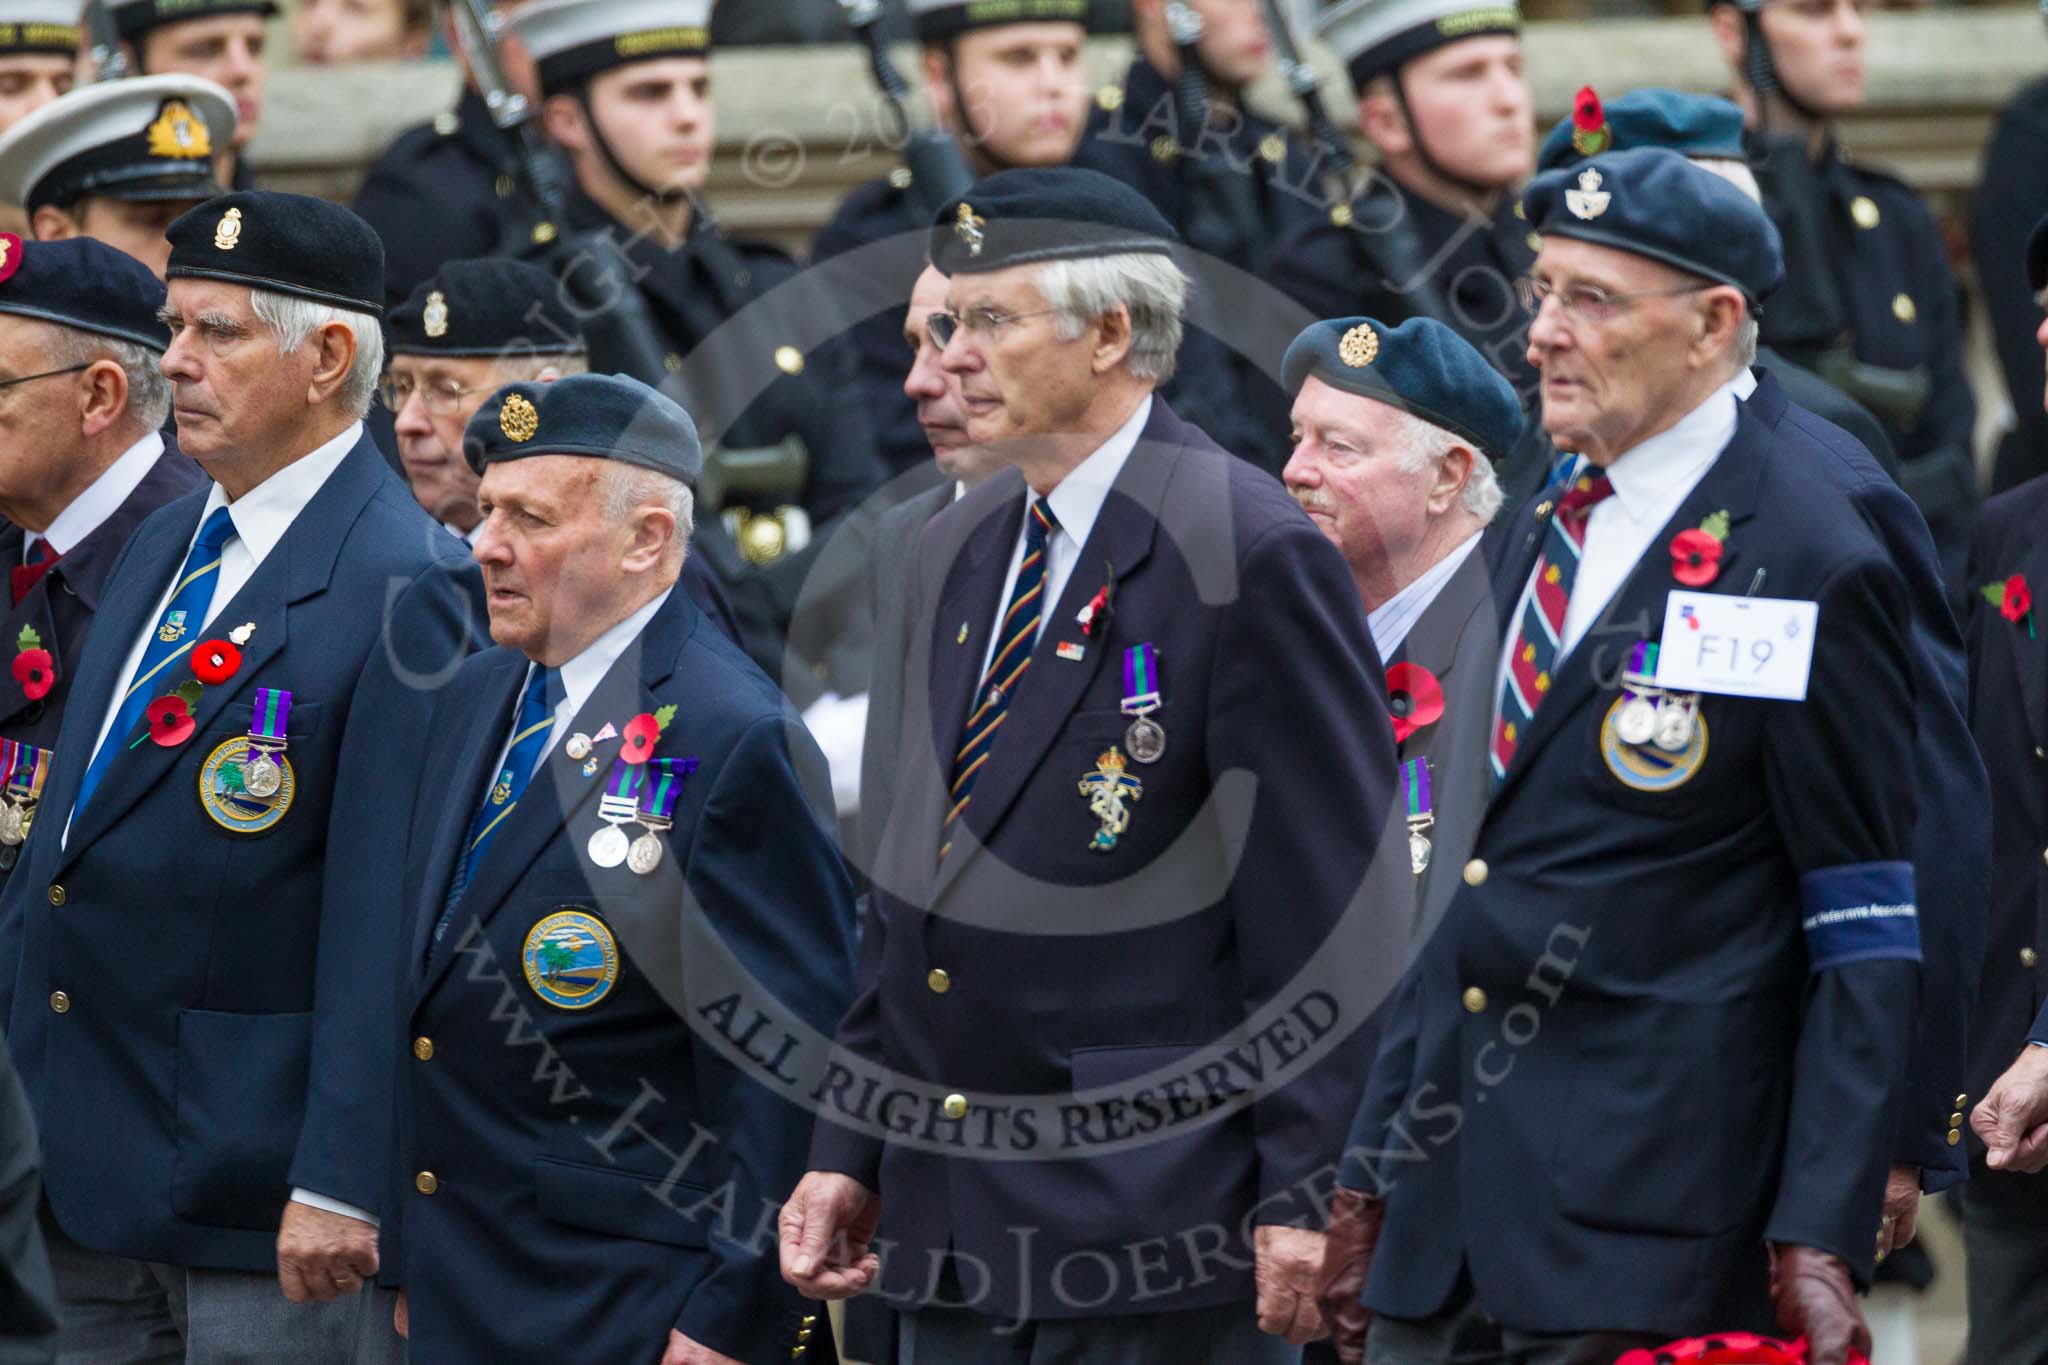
(1437, 231)
(118, 162)
(439, 192)
(2010, 197)
(39, 42)
(628, 98)
(608, 1215)
(220, 40)
(1688, 1107)
(1179, 129)
(1869, 301)
(1009, 85)
(81, 465)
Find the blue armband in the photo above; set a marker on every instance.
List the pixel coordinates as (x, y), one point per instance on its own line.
(1859, 912)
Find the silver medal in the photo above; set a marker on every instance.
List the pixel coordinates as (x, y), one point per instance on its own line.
(1637, 723)
(261, 776)
(645, 854)
(1146, 739)
(1418, 851)
(578, 747)
(609, 846)
(1674, 726)
(11, 834)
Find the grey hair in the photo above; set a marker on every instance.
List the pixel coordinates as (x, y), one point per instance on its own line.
(1149, 286)
(628, 487)
(293, 320)
(149, 393)
(1424, 443)
(1736, 173)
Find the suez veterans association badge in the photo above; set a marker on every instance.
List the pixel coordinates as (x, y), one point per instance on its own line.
(571, 959)
(246, 785)
(1653, 739)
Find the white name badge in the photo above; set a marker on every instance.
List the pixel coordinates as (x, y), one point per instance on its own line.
(1737, 646)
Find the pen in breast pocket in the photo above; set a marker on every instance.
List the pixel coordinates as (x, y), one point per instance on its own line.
(1755, 584)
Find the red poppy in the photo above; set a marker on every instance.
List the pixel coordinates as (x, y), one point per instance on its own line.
(637, 740)
(2019, 599)
(1092, 613)
(215, 661)
(1695, 558)
(36, 671)
(1730, 1348)
(170, 721)
(1587, 115)
(1415, 698)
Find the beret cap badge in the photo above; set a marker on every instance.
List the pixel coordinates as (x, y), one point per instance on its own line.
(968, 226)
(229, 232)
(434, 317)
(1588, 201)
(518, 419)
(1360, 347)
(178, 134)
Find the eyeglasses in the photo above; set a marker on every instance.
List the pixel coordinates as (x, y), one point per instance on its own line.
(1588, 303)
(46, 374)
(982, 323)
(443, 399)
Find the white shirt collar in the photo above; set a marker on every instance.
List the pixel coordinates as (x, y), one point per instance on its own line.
(264, 513)
(582, 674)
(1644, 475)
(101, 499)
(1744, 383)
(1078, 499)
(1391, 621)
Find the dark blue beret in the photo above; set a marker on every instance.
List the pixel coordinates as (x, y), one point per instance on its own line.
(1025, 216)
(136, 18)
(1655, 203)
(605, 416)
(84, 284)
(1421, 367)
(284, 243)
(1691, 125)
(2037, 256)
(496, 307)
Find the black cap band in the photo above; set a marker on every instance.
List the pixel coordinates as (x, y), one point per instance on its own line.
(566, 70)
(950, 21)
(1405, 46)
(140, 17)
(55, 40)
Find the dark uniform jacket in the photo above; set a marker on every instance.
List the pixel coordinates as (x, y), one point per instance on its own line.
(438, 194)
(28, 1296)
(1269, 183)
(575, 1212)
(1641, 1044)
(1027, 965)
(60, 607)
(2011, 196)
(201, 1016)
(1397, 256)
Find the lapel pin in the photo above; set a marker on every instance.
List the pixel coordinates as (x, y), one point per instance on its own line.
(242, 634)
(961, 638)
(1071, 650)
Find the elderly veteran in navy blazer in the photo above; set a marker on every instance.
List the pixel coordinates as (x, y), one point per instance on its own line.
(1647, 1078)
(635, 836)
(1082, 891)
(198, 994)
(82, 463)
(1395, 432)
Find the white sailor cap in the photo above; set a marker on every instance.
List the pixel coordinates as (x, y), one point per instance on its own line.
(47, 26)
(150, 138)
(1373, 37)
(939, 20)
(573, 40)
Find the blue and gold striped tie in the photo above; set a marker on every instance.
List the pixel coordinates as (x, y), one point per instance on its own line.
(1017, 635)
(171, 640)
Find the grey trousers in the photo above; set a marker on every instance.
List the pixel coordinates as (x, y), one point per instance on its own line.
(1468, 1335)
(1228, 1335)
(120, 1312)
(2005, 1233)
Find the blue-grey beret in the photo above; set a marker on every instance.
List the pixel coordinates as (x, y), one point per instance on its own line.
(496, 307)
(604, 416)
(284, 243)
(1652, 202)
(83, 284)
(1691, 125)
(1421, 367)
(1021, 217)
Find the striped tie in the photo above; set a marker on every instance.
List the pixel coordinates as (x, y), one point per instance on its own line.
(1536, 643)
(1018, 634)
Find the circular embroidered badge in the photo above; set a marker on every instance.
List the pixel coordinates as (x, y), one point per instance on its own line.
(571, 959)
(225, 794)
(1645, 767)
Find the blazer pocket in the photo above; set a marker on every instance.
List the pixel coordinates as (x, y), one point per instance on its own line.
(235, 718)
(624, 1203)
(241, 1097)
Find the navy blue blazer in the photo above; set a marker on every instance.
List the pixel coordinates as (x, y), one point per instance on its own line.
(602, 1166)
(201, 1016)
(1629, 1058)
(1026, 965)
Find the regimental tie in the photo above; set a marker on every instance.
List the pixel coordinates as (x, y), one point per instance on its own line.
(169, 641)
(1536, 642)
(1018, 635)
(530, 730)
